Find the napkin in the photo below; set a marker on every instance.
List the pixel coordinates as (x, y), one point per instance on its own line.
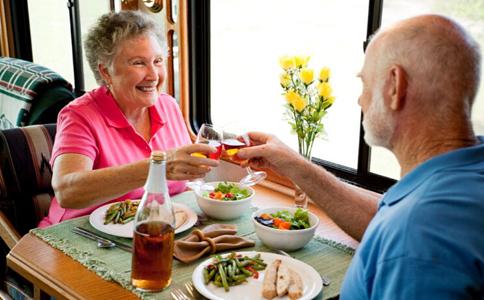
(211, 239)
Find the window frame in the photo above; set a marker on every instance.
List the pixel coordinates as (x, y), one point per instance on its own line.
(199, 84)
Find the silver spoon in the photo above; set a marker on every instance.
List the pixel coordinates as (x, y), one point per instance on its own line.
(101, 242)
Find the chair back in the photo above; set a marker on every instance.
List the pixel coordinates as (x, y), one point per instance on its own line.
(25, 192)
(30, 93)
(25, 174)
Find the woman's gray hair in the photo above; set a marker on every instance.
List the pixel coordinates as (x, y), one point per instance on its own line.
(110, 30)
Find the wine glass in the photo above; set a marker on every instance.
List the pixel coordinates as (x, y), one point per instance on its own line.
(231, 145)
(211, 135)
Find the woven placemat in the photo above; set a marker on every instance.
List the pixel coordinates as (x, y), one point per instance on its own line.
(327, 257)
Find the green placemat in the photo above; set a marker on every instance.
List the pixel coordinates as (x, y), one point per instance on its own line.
(327, 257)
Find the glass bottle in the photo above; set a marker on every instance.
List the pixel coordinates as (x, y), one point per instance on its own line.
(154, 231)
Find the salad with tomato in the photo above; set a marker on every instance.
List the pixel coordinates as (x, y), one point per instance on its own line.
(284, 220)
(227, 192)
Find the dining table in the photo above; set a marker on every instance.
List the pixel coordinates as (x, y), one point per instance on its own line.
(57, 265)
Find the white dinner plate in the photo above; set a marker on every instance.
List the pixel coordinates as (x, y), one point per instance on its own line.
(252, 290)
(126, 230)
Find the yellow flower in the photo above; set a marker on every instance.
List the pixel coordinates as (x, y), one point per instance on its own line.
(327, 102)
(324, 89)
(306, 75)
(285, 79)
(298, 102)
(287, 62)
(324, 74)
(301, 61)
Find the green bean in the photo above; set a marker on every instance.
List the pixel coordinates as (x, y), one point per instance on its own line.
(244, 263)
(121, 212)
(127, 220)
(211, 275)
(231, 270)
(224, 279)
(206, 277)
(258, 261)
(233, 266)
(109, 218)
(246, 272)
(236, 282)
(118, 215)
(239, 277)
(228, 271)
(258, 267)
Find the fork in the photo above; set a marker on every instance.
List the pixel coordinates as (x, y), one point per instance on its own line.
(193, 292)
(189, 288)
(178, 294)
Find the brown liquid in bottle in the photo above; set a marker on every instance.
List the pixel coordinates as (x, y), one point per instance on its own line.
(153, 256)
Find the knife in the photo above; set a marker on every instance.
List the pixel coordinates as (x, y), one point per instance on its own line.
(102, 242)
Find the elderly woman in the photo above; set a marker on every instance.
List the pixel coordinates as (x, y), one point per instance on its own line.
(105, 137)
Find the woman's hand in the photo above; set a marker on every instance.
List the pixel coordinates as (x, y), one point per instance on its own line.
(181, 165)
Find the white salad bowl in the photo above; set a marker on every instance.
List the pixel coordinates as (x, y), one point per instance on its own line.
(224, 210)
(287, 240)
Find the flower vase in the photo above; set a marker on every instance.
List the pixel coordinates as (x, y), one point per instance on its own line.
(300, 198)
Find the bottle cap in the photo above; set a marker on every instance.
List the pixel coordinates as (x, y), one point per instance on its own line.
(158, 155)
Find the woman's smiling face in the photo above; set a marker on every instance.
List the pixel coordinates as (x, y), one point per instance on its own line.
(137, 72)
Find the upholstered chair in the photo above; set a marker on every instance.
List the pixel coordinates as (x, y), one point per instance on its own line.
(25, 184)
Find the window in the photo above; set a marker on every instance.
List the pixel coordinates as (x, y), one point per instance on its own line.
(245, 51)
(51, 37)
(243, 65)
(90, 11)
(235, 69)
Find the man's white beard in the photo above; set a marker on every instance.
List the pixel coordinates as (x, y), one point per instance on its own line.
(378, 122)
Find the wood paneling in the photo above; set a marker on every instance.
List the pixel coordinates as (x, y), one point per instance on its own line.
(6, 34)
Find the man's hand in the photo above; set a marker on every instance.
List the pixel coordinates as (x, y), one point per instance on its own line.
(269, 152)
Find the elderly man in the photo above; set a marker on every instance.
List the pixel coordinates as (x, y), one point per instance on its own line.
(424, 239)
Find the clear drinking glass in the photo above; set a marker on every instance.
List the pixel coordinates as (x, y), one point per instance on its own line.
(231, 145)
(211, 135)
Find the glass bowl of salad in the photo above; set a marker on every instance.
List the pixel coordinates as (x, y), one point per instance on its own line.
(228, 200)
(285, 228)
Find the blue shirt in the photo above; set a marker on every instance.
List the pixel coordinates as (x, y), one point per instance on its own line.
(427, 239)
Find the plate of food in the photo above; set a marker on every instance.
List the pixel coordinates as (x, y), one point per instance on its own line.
(256, 275)
(117, 218)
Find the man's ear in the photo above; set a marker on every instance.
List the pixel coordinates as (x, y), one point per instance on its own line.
(397, 87)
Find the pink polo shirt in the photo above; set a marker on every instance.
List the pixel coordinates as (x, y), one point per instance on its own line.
(93, 125)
